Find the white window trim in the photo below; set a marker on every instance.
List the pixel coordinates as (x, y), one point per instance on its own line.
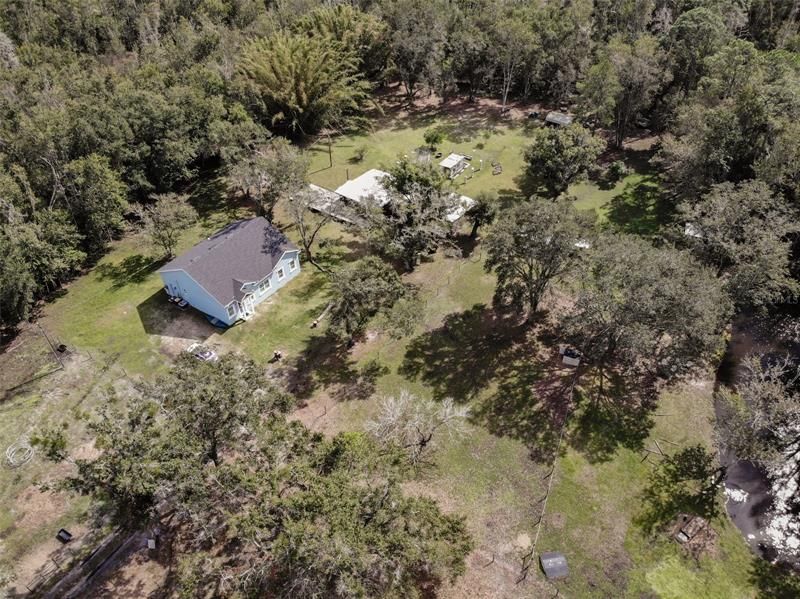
(293, 265)
(229, 307)
(280, 273)
(264, 285)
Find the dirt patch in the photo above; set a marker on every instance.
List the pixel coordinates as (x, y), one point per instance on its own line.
(395, 107)
(642, 143)
(138, 576)
(48, 557)
(318, 414)
(183, 330)
(556, 520)
(37, 506)
(491, 577)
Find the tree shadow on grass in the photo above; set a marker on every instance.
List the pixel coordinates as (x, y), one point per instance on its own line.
(642, 208)
(460, 358)
(601, 426)
(479, 349)
(776, 581)
(687, 482)
(131, 270)
(326, 363)
(530, 404)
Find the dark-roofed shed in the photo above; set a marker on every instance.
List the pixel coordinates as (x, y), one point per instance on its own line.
(554, 565)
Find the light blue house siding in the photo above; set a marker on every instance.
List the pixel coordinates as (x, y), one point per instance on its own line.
(179, 283)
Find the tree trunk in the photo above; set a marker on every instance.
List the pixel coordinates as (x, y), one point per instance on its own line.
(474, 232)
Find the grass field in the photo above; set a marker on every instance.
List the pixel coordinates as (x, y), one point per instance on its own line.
(496, 474)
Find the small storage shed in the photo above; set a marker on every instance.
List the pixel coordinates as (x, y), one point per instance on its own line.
(554, 565)
(558, 119)
(454, 165)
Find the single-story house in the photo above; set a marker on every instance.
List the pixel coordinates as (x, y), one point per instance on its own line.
(558, 119)
(454, 165)
(369, 184)
(227, 275)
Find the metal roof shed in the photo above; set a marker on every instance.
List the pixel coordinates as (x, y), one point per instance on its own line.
(454, 165)
(369, 184)
(554, 565)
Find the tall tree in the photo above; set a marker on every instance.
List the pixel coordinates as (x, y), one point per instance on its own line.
(299, 515)
(416, 425)
(483, 212)
(216, 403)
(303, 84)
(412, 225)
(361, 290)
(362, 32)
(271, 173)
(559, 157)
(622, 83)
(470, 46)
(418, 34)
(96, 198)
(762, 414)
(743, 232)
(304, 210)
(165, 219)
(512, 38)
(17, 284)
(532, 246)
(647, 310)
(695, 35)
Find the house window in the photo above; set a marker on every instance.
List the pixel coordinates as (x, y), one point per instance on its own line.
(292, 264)
(231, 310)
(264, 285)
(281, 274)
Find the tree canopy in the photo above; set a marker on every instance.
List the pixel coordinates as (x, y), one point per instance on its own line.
(532, 246)
(645, 309)
(559, 157)
(302, 516)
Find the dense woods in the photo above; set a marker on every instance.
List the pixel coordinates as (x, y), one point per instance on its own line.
(106, 102)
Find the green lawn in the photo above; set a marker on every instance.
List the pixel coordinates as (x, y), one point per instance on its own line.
(595, 500)
(485, 141)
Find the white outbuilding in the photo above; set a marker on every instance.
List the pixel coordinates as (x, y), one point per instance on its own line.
(454, 165)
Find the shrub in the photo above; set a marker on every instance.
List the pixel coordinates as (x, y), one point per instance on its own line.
(433, 137)
(616, 170)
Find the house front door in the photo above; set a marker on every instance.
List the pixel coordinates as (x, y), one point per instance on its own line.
(248, 307)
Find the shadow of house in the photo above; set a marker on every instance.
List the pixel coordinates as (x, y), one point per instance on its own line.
(159, 317)
(131, 270)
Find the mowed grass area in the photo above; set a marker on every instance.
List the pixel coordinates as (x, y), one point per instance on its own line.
(496, 473)
(482, 138)
(597, 499)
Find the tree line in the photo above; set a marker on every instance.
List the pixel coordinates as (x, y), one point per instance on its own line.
(108, 104)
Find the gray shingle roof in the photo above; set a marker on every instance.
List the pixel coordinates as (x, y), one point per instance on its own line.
(242, 252)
